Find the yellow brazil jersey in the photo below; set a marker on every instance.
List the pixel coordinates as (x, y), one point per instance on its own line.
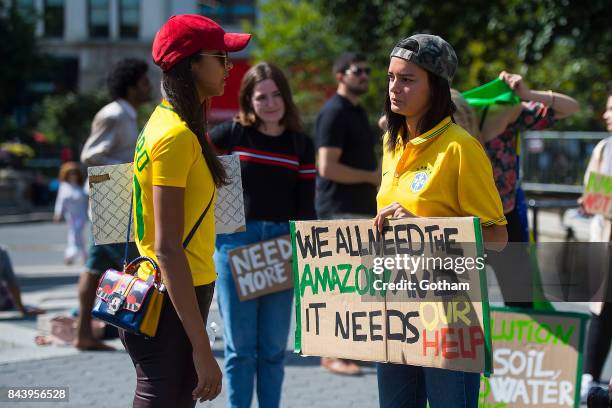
(442, 173)
(168, 154)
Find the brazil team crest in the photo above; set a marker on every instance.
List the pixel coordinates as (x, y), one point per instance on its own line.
(419, 181)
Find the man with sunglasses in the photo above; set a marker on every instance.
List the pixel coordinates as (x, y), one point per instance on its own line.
(348, 174)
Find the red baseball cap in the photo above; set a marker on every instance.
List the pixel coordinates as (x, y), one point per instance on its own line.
(187, 34)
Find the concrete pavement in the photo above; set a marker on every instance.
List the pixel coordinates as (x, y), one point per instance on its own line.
(107, 379)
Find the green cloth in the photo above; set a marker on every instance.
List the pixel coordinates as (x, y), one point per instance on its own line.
(491, 93)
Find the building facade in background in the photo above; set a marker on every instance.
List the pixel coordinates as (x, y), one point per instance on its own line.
(86, 37)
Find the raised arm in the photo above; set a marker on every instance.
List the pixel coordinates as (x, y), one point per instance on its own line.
(497, 121)
(562, 104)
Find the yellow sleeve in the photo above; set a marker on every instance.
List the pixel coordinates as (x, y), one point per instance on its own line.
(386, 159)
(385, 191)
(478, 195)
(172, 158)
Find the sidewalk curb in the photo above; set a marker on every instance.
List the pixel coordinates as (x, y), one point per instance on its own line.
(33, 217)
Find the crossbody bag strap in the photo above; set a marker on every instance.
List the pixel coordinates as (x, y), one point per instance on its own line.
(483, 116)
(199, 221)
(127, 236)
(185, 243)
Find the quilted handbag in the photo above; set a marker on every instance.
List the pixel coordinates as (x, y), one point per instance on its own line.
(128, 302)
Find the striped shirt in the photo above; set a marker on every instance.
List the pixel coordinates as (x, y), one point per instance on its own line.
(278, 172)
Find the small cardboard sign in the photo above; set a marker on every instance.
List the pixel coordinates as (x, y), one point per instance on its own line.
(597, 197)
(110, 192)
(375, 296)
(537, 359)
(262, 268)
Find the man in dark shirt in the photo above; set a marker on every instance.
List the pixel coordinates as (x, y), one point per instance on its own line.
(348, 171)
(348, 174)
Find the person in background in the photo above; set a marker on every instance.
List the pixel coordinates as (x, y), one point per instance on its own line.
(348, 174)
(598, 397)
(71, 204)
(114, 131)
(10, 294)
(499, 130)
(431, 168)
(278, 175)
(599, 335)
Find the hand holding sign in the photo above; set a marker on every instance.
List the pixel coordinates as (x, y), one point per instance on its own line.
(429, 309)
(393, 210)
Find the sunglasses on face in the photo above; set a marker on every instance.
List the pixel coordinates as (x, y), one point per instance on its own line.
(224, 58)
(358, 71)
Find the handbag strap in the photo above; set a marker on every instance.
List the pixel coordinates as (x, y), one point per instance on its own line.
(483, 117)
(127, 236)
(133, 266)
(185, 243)
(199, 221)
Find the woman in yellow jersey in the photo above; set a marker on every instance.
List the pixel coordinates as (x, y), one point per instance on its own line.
(431, 168)
(175, 177)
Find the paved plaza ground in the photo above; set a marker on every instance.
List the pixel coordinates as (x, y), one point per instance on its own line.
(107, 379)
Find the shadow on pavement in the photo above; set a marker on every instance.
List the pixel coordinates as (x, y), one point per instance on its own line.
(36, 283)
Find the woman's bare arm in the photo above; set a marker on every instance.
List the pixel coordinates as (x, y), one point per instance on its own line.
(168, 204)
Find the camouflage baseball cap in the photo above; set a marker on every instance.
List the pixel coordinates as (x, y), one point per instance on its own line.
(430, 52)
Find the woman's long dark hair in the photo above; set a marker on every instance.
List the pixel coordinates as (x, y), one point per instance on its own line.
(180, 90)
(440, 107)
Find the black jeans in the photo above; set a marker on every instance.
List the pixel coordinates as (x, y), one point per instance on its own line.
(512, 266)
(598, 342)
(165, 374)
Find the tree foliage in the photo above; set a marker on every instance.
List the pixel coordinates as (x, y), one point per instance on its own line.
(66, 119)
(299, 38)
(20, 53)
(564, 45)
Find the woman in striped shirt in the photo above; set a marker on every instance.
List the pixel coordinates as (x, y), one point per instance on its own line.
(278, 175)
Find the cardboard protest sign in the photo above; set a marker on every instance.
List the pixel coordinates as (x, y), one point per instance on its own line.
(262, 268)
(110, 192)
(413, 294)
(598, 195)
(537, 358)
